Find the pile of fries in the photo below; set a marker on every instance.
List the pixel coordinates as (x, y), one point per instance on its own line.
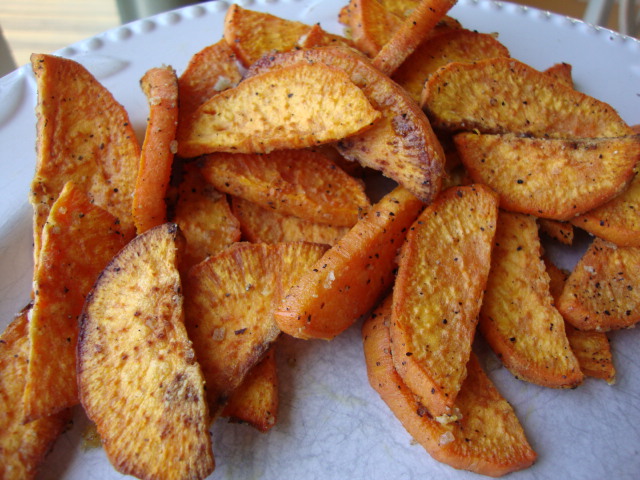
(166, 272)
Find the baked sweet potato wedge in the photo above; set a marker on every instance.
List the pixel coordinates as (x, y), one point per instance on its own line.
(456, 45)
(518, 318)
(160, 86)
(352, 275)
(264, 225)
(230, 300)
(603, 291)
(550, 177)
(442, 274)
(402, 144)
(256, 400)
(84, 136)
(487, 438)
(562, 232)
(501, 95)
(252, 34)
(302, 183)
(370, 25)
(204, 217)
(78, 241)
(138, 377)
(299, 106)
(411, 32)
(23, 446)
(617, 221)
(592, 349)
(318, 37)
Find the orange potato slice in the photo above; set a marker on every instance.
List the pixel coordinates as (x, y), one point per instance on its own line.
(592, 349)
(402, 144)
(230, 301)
(603, 291)
(295, 107)
(559, 231)
(78, 240)
(352, 275)
(138, 377)
(255, 401)
(264, 225)
(617, 221)
(550, 177)
(253, 34)
(302, 183)
(318, 37)
(442, 274)
(487, 438)
(23, 446)
(204, 217)
(413, 30)
(501, 95)
(160, 86)
(84, 136)
(371, 25)
(211, 70)
(457, 45)
(518, 317)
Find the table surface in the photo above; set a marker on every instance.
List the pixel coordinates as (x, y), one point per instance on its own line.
(44, 26)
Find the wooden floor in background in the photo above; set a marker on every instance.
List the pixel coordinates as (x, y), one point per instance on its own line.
(44, 26)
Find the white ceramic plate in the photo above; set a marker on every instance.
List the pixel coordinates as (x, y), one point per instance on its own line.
(332, 425)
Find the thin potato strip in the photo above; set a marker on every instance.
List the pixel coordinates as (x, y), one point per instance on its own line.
(138, 377)
(84, 136)
(592, 349)
(518, 317)
(302, 183)
(160, 86)
(300, 106)
(23, 446)
(415, 27)
(501, 95)
(603, 291)
(78, 241)
(442, 274)
(526, 172)
(256, 401)
(264, 225)
(487, 439)
(352, 275)
(230, 301)
(402, 144)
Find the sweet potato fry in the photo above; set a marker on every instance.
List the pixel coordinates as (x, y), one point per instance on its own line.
(413, 30)
(255, 401)
(302, 183)
(299, 106)
(318, 37)
(211, 70)
(518, 318)
(560, 231)
(592, 349)
(264, 225)
(253, 34)
(457, 45)
(160, 86)
(487, 439)
(84, 136)
(352, 275)
(23, 446)
(550, 177)
(603, 291)
(402, 144)
(442, 273)
(204, 217)
(616, 221)
(229, 302)
(371, 25)
(501, 95)
(78, 240)
(138, 378)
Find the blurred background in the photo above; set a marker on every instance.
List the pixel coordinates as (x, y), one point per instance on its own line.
(47, 25)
